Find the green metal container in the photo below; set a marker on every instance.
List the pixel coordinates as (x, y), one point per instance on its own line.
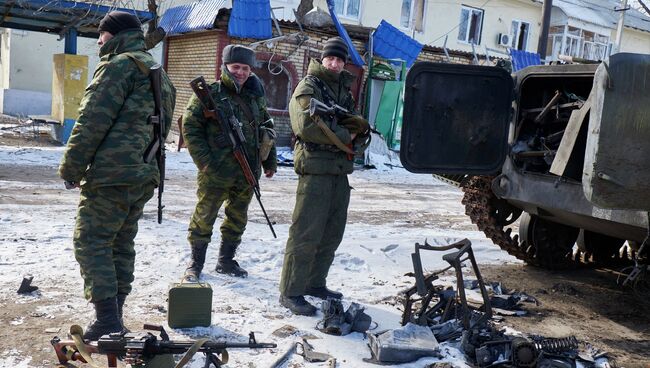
(190, 304)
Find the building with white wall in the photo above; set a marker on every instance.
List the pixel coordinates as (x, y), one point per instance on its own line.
(581, 28)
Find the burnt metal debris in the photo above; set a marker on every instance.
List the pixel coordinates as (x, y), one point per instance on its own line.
(338, 321)
(435, 314)
(447, 306)
(26, 286)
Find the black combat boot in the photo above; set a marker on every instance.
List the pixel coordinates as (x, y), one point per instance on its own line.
(323, 293)
(107, 320)
(226, 264)
(121, 298)
(195, 267)
(298, 305)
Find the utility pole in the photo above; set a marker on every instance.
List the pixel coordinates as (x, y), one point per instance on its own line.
(619, 29)
(543, 35)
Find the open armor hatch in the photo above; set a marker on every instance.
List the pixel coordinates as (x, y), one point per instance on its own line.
(456, 119)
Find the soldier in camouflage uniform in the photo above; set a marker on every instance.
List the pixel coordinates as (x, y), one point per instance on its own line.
(220, 178)
(323, 192)
(105, 158)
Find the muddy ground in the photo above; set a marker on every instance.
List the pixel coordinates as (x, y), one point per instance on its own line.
(585, 303)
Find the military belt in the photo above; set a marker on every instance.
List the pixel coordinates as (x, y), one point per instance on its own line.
(310, 147)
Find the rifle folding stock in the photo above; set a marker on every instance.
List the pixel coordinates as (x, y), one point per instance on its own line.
(232, 129)
(139, 348)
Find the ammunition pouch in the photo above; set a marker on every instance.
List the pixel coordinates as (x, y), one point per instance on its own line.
(267, 141)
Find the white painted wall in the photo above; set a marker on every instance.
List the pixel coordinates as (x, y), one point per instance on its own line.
(634, 41)
(443, 17)
(30, 64)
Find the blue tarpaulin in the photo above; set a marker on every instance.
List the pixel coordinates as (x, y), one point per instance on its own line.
(250, 19)
(522, 59)
(354, 55)
(391, 43)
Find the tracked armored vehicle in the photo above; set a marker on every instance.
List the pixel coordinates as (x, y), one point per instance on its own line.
(564, 149)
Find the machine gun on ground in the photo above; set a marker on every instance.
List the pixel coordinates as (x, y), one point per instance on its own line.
(231, 128)
(139, 349)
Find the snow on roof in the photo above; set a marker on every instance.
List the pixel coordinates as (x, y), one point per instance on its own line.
(198, 15)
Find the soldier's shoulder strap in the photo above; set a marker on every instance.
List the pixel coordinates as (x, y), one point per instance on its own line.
(133, 55)
(245, 108)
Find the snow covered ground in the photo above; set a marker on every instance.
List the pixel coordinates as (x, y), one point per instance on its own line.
(390, 210)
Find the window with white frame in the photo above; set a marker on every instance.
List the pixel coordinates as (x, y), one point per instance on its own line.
(519, 34)
(412, 16)
(347, 8)
(471, 25)
(577, 42)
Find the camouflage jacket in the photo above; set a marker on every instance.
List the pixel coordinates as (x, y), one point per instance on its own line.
(204, 138)
(319, 160)
(110, 136)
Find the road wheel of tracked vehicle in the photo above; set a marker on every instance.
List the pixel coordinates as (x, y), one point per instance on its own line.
(490, 215)
(602, 248)
(549, 243)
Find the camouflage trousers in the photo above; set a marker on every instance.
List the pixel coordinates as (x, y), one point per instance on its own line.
(107, 223)
(316, 231)
(212, 193)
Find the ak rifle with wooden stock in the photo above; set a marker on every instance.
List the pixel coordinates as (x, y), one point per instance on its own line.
(233, 133)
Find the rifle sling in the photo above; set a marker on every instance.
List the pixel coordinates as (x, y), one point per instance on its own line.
(251, 119)
(245, 108)
(145, 70)
(76, 333)
(329, 100)
(141, 65)
(331, 136)
(190, 352)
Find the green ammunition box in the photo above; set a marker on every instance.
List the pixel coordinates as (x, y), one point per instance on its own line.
(190, 304)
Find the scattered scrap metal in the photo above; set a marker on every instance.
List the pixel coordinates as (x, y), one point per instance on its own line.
(338, 322)
(434, 314)
(304, 349)
(26, 286)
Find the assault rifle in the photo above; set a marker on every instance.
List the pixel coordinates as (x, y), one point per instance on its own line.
(231, 128)
(317, 108)
(157, 146)
(140, 349)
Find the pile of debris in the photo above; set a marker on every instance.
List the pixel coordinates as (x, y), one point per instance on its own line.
(435, 313)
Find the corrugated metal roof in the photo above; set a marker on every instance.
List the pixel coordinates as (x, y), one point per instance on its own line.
(521, 59)
(57, 16)
(196, 16)
(354, 55)
(602, 12)
(250, 19)
(391, 43)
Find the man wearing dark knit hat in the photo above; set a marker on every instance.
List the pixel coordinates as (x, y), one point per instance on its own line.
(220, 178)
(323, 192)
(105, 157)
